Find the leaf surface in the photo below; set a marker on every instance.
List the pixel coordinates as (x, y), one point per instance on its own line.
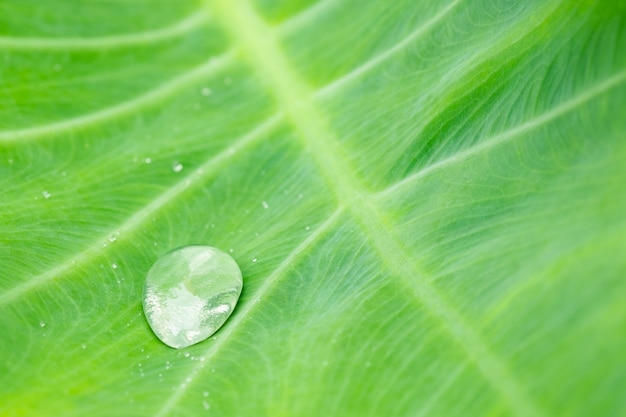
(426, 200)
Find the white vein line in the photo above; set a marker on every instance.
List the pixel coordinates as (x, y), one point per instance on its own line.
(377, 60)
(105, 42)
(128, 107)
(146, 212)
(234, 323)
(509, 135)
(300, 19)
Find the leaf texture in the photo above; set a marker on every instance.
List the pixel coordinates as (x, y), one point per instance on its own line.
(426, 200)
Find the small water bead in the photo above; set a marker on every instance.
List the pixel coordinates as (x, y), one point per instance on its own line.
(189, 293)
(114, 266)
(254, 259)
(46, 194)
(177, 167)
(42, 324)
(265, 205)
(148, 160)
(206, 91)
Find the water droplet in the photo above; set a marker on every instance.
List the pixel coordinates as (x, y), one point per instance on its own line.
(177, 167)
(84, 346)
(114, 265)
(46, 194)
(148, 160)
(307, 228)
(205, 405)
(205, 394)
(255, 259)
(265, 205)
(42, 324)
(206, 91)
(189, 294)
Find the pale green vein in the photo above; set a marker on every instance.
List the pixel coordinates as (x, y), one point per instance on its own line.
(105, 42)
(234, 323)
(306, 16)
(504, 137)
(261, 47)
(377, 60)
(151, 98)
(198, 176)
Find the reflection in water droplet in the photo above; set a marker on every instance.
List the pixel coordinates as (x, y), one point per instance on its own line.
(177, 167)
(42, 324)
(189, 294)
(254, 259)
(46, 194)
(265, 205)
(114, 266)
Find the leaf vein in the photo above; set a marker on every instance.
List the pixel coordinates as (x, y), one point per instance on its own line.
(105, 42)
(132, 223)
(507, 136)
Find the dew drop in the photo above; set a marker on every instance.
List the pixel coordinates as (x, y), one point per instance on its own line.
(148, 160)
(177, 167)
(206, 91)
(46, 194)
(84, 346)
(42, 324)
(205, 405)
(205, 394)
(265, 205)
(255, 259)
(114, 266)
(189, 293)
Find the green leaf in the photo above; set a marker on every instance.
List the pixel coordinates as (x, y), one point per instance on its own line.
(426, 200)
